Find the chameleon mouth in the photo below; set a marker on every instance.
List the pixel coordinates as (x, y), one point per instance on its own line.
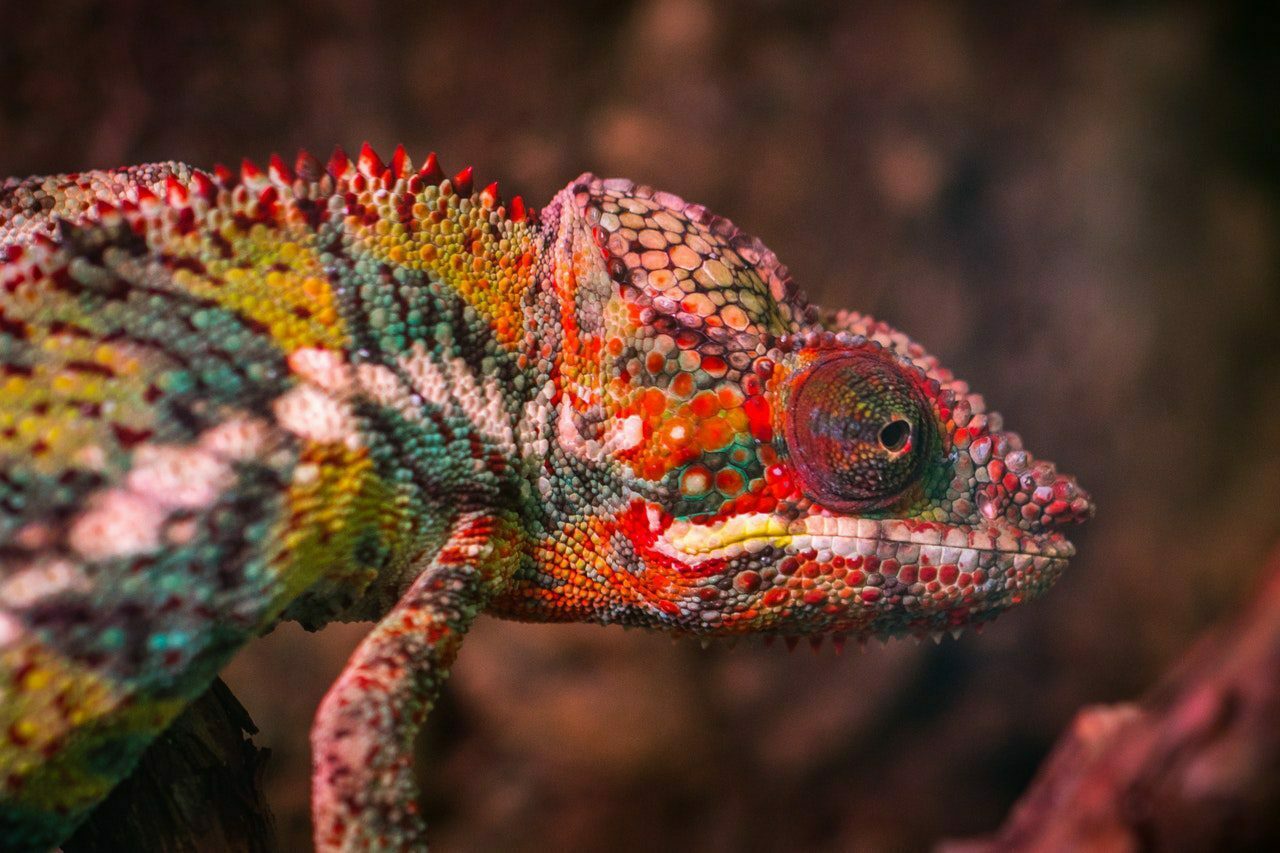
(909, 541)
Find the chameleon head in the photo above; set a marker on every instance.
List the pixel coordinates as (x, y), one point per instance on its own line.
(888, 501)
(770, 470)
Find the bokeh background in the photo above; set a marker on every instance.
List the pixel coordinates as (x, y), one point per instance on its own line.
(1075, 205)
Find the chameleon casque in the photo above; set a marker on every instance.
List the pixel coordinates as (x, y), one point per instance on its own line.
(366, 391)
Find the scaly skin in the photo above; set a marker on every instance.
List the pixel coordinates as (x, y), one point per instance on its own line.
(362, 391)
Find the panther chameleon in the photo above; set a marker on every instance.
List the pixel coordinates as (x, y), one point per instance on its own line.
(363, 390)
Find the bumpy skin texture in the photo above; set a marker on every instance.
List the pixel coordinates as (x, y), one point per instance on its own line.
(366, 391)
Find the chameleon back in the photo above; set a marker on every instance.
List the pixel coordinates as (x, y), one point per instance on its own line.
(189, 440)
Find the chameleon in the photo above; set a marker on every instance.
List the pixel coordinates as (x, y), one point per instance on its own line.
(361, 390)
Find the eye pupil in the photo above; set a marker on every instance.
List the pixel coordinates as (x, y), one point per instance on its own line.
(894, 435)
(858, 430)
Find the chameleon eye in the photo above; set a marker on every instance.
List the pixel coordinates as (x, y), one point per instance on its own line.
(857, 431)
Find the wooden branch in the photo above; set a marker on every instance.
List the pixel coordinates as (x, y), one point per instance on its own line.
(197, 788)
(1194, 766)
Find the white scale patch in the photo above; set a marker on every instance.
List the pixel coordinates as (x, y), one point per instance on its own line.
(128, 519)
(312, 414)
(45, 577)
(534, 421)
(324, 368)
(619, 435)
(319, 409)
(382, 385)
(178, 477)
(453, 388)
(116, 524)
(10, 630)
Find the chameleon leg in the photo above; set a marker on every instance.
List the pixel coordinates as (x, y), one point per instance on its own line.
(363, 793)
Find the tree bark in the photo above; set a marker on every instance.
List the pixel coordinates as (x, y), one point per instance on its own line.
(1194, 766)
(197, 788)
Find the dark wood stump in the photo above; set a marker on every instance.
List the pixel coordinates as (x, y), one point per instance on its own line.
(1194, 766)
(197, 788)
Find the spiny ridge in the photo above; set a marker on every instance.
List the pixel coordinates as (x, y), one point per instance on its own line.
(401, 165)
(307, 167)
(463, 180)
(279, 171)
(370, 164)
(339, 163)
(281, 189)
(431, 172)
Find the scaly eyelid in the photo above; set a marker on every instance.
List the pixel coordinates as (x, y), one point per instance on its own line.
(872, 476)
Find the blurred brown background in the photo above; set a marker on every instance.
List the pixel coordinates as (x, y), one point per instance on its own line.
(1076, 207)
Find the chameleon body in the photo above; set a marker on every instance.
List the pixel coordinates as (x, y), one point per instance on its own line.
(366, 391)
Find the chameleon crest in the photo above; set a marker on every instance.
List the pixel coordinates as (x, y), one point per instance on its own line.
(368, 391)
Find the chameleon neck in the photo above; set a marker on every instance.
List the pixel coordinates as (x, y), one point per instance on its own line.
(432, 290)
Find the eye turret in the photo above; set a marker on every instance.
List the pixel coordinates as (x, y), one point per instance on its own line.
(858, 428)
